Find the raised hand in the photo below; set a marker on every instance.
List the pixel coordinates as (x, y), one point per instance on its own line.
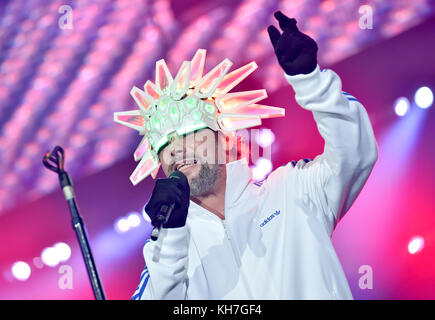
(296, 52)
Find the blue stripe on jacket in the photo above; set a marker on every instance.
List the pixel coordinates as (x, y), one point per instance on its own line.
(141, 288)
(350, 97)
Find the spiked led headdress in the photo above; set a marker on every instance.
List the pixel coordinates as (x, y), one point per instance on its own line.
(188, 103)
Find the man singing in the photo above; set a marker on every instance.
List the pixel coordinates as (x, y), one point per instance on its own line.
(228, 237)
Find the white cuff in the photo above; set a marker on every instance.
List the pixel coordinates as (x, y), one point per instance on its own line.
(305, 84)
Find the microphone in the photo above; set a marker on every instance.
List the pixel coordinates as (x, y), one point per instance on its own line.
(165, 210)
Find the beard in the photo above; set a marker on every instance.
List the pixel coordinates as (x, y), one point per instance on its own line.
(204, 183)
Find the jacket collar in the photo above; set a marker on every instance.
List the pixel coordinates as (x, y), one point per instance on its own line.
(238, 178)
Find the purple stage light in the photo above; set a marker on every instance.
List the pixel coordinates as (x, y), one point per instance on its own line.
(401, 106)
(415, 244)
(261, 169)
(21, 270)
(423, 97)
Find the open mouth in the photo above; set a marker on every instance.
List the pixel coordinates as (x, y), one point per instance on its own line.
(185, 165)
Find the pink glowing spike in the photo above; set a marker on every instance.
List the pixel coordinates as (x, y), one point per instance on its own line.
(132, 119)
(150, 88)
(154, 173)
(143, 100)
(144, 146)
(233, 78)
(211, 80)
(229, 122)
(163, 76)
(181, 82)
(197, 67)
(239, 99)
(259, 110)
(145, 167)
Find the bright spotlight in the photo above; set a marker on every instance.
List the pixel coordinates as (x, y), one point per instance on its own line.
(50, 257)
(21, 270)
(261, 169)
(133, 220)
(401, 106)
(63, 251)
(265, 137)
(416, 244)
(423, 97)
(122, 225)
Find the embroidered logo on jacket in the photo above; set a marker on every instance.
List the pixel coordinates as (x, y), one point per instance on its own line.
(273, 215)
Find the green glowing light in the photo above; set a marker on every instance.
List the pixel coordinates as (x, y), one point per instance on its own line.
(163, 102)
(156, 123)
(196, 115)
(191, 102)
(209, 108)
(174, 113)
(178, 90)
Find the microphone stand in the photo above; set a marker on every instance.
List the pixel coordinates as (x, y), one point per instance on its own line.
(54, 161)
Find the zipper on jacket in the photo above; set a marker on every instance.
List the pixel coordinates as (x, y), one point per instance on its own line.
(228, 235)
(237, 259)
(234, 253)
(233, 249)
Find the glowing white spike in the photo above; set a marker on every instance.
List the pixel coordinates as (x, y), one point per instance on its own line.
(132, 119)
(211, 80)
(239, 99)
(143, 100)
(163, 77)
(180, 85)
(197, 67)
(233, 78)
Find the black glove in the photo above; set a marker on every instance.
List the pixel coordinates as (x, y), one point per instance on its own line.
(296, 52)
(174, 189)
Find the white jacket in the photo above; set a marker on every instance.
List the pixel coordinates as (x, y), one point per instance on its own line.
(275, 240)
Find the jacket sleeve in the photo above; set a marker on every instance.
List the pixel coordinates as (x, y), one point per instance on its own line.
(334, 179)
(165, 273)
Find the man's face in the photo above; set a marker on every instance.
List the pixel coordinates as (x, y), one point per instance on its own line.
(195, 155)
